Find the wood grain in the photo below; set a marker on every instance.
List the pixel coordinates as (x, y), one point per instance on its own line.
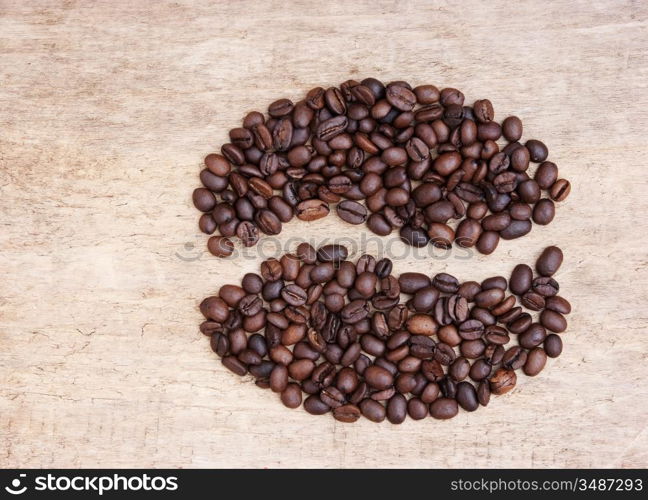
(107, 109)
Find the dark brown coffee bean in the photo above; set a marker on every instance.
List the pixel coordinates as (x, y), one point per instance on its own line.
(332, 253)
(397, 409)
(544, 212)
(489, 298)
(372, 410)
(400, 97)
(315, 406)
(311, 210)
(427, 94)
(502, 381)
(549, 261)
(471, 329)
(516, 229)
(546, 175)
(533, 301)
(445, 283)
(234, 365)
(532, 336)
(560, 190)
(352, 212)
(536, 361)
(444, 408)
(467, 396)
(553, 321)
(487, 242)
(483, 110)
(348, 413)
(558, 304)
(512, 128)
(521, 279)
(537, 150)
(331, 128)
(217, 164)
(553, 345)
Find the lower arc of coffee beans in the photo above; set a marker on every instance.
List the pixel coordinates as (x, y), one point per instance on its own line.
(445, 350)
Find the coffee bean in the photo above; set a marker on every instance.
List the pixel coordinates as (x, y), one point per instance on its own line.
(537, 150)
(234, 365)
(535, 362)
(560, 190)
(332, 253)
(545, 286)
(467, 396)
(444, 408)
(220, 246)
(352, 212)
(348, 413)
(544, 212)
(553, 345)
(516, 229)
(445, 283)
(311, 210)
(546, 175)
(400, 97)
(521, 279)
(372, 410)
(532, 336)
(549, 261)
(512, 128)
(502, 381)
(553, 321)
(558, 304)
(533, 301)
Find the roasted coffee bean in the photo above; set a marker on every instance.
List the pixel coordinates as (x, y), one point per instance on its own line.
(311, 210)
(533, 301)
(532, 336)
(537, 150)
(445, 283)
(546, 175)
(553, 345)
(332, 253)
(535, 362)
(520, 323)
(502, 381)
(372, 410)
(471, 329)
(467, 396)
(489, 298)
(545, 286)
(234, 365)
(549, 261)
(444, 408)
(544, 212)
(220, 246)
(412, 282)
(553, 321)
(521, 279)
(347, 413)
(516, 229)
(352, 212)
(315, 406)
(558, 304)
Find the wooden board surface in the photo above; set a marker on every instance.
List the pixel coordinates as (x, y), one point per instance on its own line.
(106, 111)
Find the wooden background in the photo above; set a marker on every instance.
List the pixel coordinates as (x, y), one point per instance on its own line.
(106, 111)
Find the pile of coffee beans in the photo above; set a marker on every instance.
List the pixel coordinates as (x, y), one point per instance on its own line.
(352, 339)
(425, 164)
